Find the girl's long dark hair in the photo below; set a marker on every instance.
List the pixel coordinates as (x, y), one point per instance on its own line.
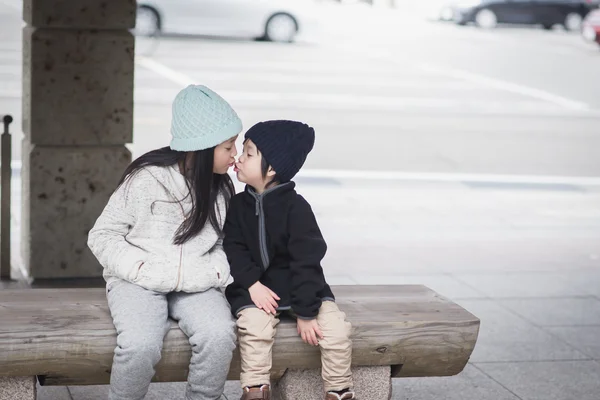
(203, 184)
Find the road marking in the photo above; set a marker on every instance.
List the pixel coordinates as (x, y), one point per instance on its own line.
(332, 69)
(472, 77)
(314, 101)
(335, 101)
(430, 176)
(447, 177)
(326, 101)
(508, 87)
(423, 81)
(165, 71)
(332, 100)
(24, 272)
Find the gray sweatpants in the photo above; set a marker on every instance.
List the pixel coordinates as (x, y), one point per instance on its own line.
(141, 319)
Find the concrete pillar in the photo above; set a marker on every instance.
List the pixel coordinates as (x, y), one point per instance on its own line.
(21, 388)
(78, 62)
(370, 383)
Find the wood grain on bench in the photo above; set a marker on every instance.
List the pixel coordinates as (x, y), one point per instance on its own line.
(66, 336)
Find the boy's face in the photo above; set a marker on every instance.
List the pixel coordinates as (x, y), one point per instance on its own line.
(249, 167)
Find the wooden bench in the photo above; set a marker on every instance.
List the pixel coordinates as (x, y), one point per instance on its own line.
(66, 337)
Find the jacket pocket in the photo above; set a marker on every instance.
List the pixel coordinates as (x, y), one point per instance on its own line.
(127, 265)
(200, 282)
(156, 275)
(220, 263)
(223, 275)
(200, 274)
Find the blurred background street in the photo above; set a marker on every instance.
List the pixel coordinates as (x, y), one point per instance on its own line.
(462, 158)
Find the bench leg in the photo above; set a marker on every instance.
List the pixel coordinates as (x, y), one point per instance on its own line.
(370, 383)
(22, 388)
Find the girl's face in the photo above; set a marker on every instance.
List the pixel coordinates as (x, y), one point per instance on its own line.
(249, 167)
(225, 156)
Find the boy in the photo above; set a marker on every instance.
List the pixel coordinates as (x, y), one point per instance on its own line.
(275, 247)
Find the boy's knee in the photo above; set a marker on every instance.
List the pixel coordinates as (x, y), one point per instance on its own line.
(333, 323)
(256, 322)
(338, 330)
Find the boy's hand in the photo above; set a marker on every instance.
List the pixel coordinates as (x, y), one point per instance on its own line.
(264, 298)
(309, 330)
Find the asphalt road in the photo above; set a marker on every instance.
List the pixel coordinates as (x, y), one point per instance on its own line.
(386, 91)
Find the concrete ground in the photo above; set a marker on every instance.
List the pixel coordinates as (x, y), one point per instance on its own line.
(523, 258)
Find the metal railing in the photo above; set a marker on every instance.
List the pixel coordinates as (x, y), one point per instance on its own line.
(6, 174)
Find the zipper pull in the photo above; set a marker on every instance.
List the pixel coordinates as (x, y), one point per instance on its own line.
(257, 207)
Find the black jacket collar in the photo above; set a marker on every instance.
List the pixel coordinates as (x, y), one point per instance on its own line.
(271, 195)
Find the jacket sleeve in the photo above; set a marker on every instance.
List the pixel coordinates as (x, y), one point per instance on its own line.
(244, 270)
(107, 239)
(307, 248)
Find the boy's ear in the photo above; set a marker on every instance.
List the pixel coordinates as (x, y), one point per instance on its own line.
(271, 172)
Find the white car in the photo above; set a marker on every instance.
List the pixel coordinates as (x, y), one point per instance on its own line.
(274, 20)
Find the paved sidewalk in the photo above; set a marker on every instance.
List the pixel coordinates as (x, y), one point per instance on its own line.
(524, 258)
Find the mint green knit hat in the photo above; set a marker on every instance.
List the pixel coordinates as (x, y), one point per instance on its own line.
(201, 119)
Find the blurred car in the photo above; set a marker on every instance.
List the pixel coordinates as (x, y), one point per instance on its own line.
(436, 10)
(274, 20)
(445, 10)
(489, 13)
(591, 27)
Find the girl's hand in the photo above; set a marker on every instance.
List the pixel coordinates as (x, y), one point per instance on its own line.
(264, 298)
(309, 330)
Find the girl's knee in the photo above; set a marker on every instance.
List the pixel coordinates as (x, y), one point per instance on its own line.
(138, 347)
(219, 333)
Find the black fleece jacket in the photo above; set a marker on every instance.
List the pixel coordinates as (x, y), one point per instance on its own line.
(274, 238)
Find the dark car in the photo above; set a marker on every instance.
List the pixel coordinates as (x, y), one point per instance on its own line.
(591, 27)
(489, 13)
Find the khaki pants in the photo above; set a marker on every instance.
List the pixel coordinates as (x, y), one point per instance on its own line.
(256, 333)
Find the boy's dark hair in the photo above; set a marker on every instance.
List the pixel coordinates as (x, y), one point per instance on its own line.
(264, 165)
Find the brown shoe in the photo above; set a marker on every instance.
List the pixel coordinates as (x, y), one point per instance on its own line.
(258, 393)
(334, 396)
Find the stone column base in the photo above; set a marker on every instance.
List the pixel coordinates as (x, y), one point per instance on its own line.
(22, 388)
(370, 383)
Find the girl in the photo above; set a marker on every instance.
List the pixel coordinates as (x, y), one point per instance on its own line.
(159, 240)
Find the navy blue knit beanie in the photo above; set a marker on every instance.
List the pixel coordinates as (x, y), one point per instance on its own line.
(284, 144)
